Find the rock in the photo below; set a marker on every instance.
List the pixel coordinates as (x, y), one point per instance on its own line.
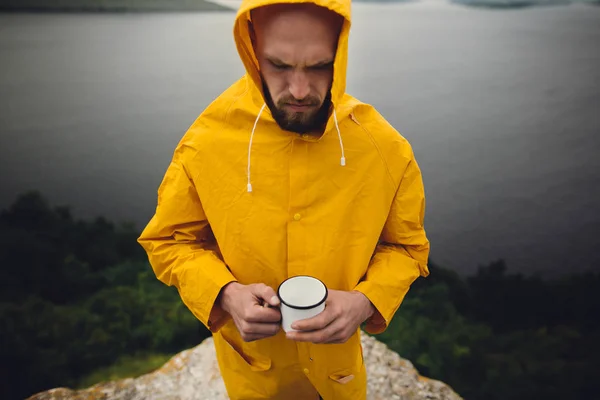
(194, 375)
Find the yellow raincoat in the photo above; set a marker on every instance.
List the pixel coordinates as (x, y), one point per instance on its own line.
(357, 226)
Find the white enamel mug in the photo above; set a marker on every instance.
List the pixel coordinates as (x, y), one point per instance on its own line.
(301, 297)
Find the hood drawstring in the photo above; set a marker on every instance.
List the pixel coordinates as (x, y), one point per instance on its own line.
(250, 145)
(342, 160)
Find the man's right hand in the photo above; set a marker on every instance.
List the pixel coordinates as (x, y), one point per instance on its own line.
(248, 305)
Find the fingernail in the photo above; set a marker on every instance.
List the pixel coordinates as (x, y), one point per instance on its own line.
(274, 300)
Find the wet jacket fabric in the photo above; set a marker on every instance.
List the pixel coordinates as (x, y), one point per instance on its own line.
(282, 204)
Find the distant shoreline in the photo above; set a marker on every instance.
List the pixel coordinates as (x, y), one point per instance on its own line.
(109, 6)
(174, 6)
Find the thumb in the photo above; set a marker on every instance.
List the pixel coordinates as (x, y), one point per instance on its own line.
(266, 293)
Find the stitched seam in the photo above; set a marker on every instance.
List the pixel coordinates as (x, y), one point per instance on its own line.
(387, 168)
(235, 99)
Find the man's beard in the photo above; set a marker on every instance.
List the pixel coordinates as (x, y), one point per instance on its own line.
(299, 122)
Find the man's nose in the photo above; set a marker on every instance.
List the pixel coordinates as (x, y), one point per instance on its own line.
(299, 85)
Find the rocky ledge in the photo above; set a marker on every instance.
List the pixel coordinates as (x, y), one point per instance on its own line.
(194, 375)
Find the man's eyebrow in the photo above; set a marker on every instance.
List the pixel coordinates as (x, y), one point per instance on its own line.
(276, 61)
(318, 64)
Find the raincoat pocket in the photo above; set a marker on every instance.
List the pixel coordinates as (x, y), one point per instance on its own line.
(343, 376)
(347, 383)
(257, 363)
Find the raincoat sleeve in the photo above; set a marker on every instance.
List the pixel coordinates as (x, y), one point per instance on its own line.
(182, 249)
(402, 253)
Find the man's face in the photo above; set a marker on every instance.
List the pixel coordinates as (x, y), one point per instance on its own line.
(295, 49)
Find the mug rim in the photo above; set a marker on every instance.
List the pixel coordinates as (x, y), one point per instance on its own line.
(302, 307)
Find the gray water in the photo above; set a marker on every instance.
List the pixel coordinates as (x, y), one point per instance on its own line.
(502, 109)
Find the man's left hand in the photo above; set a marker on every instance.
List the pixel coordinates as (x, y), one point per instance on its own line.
(343, 314)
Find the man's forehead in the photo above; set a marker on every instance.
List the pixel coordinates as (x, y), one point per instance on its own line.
(266, 15)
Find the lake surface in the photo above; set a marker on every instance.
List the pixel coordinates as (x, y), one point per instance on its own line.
(502, 108)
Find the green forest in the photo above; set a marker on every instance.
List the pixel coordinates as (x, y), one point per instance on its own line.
(80, 304)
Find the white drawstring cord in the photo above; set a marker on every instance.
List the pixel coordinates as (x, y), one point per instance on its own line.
(249, 188)
(343, 159)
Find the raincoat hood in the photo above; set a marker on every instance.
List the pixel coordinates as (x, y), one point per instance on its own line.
(245, 49)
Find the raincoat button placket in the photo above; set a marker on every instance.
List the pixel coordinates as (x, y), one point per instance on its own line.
(299, 181)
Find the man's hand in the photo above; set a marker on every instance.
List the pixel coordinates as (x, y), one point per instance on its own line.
(343, 314)
(250, 308)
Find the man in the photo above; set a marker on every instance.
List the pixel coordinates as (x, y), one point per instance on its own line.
(285, 174)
